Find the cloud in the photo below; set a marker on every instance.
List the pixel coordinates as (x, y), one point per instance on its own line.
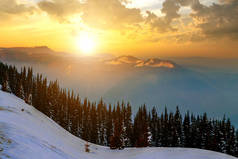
(218, 20)
(10, 7)
(163, 24)
(170, 9)
(110, 14)
(60, 8)
(226, 1)
(215, 20)
(158, 23)
(136, 62)
(95, 13)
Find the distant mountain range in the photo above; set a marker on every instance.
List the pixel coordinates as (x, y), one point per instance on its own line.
(30, 54)
(195, 84)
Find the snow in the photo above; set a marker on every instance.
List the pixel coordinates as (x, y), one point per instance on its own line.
(29, 134)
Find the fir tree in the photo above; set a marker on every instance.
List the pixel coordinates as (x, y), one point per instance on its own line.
(177, 128)
(187, 130)
(153, 126)
(109, 126)
(100, 124)
(5, 85)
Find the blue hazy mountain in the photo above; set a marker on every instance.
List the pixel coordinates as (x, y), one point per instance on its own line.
(195, 84)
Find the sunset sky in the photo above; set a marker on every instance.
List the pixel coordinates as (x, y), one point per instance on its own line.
(163, 28)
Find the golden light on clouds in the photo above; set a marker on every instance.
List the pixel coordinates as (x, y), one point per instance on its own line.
(146, 28)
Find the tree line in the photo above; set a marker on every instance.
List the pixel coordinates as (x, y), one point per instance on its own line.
(114, 125)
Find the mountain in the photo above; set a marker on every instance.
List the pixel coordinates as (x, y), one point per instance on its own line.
(41, 54)
(170, 87)
(195, 84)
(136, 62)
(25, 133)
(163, 83)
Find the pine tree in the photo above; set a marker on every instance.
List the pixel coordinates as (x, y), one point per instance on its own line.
(195, 132)
(153, 126)
(109, 126)
(116, 139)
(187, 130)
(158, 139)
(29, 86)
(236, 144)
(5, 85)
(204, 130)
(164, 129)
(93, 126)
(141, 128)
(128, 126)
(20, 91)
(172, 136)
(85, 131)
(101, 121)
(98, 123)
(230, 135)
(222, 134)
(178, 128)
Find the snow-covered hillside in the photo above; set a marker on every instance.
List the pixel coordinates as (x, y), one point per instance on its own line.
(25, 133)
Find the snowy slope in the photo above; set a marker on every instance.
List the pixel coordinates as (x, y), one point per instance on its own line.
(29, 134)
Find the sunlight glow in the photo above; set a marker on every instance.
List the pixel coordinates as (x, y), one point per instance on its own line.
(86, 43)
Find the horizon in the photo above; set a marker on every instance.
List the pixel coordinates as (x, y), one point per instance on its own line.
(163, 28)
(89, 78)
(117, 55)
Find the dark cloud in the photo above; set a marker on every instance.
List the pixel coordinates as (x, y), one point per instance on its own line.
(163, 24)
(218, 20)
(170, 9)
(158, 23)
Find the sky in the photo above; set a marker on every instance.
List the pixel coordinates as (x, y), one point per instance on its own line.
(161, 28)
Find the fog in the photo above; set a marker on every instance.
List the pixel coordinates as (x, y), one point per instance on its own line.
(195, 84)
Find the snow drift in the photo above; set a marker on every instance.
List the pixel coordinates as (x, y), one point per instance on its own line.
(26, 133)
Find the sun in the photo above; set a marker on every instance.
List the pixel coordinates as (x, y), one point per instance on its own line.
(86, 43)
